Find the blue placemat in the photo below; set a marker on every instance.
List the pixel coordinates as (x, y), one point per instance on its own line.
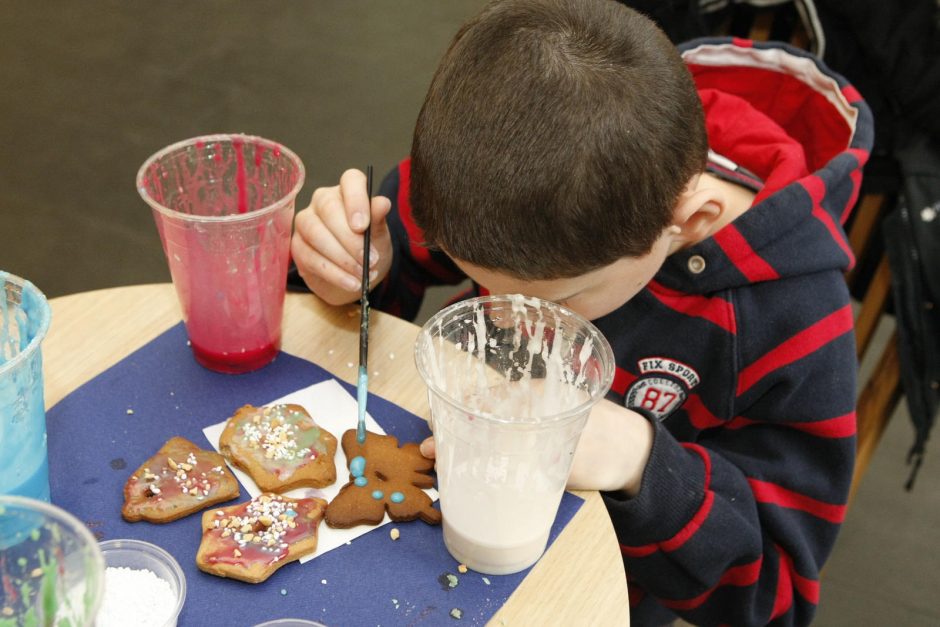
(101, 432)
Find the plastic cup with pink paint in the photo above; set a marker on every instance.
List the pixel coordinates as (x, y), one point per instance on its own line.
(224, 206)
(511, 381)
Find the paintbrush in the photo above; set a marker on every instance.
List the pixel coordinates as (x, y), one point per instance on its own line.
(362, 386)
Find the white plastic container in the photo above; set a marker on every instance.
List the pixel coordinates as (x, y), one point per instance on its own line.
(139, 555)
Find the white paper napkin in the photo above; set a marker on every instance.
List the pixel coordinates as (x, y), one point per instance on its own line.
(334, 409)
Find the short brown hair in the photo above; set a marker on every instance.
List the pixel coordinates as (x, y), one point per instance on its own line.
(555, 138)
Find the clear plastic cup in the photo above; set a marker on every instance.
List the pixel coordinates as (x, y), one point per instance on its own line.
(138, 555)
(224, 206)
(52, 570)
(511, 381)
(24, 321)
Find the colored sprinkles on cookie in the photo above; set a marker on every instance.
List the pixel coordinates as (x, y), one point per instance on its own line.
(274, 516)
(276, 431)
(178, 480)
(281, 447)
(183, 477)
(264, 527)
(251, 540)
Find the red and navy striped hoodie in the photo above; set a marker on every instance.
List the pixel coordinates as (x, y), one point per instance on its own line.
(740, 351)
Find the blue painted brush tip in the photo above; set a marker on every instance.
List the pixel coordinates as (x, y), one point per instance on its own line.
(362, 396)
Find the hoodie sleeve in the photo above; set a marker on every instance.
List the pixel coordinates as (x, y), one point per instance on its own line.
(414, 265)
(734, 527)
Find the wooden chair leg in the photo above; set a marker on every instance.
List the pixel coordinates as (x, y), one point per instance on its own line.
(873, 305)
(865, 218)
(760, 29)
(874, 409)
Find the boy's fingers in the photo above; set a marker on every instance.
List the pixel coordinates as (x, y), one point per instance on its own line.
(321, 239)
(427, 448)
(335, 222)
(352, 188)
(380, 208)
(315, 234)
(322, 270)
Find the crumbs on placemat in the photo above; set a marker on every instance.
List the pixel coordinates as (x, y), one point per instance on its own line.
(448, 581)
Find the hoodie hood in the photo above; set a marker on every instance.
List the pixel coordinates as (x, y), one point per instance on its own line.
(805, 134)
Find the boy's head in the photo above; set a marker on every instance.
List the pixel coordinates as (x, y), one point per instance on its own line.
(555, 139)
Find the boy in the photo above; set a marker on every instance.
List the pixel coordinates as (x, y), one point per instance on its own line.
(565, 151)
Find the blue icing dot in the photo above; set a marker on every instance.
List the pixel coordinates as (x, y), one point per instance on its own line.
(377, 494)
(397, 497)
(357, 466)
(360, 481)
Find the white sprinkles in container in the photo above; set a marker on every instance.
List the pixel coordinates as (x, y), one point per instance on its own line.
(135, 597)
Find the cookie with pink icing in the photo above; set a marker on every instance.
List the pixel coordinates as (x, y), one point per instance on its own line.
(179, 479)
(251, 540)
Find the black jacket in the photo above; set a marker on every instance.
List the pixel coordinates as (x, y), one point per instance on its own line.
(890, 51)
(912, 237)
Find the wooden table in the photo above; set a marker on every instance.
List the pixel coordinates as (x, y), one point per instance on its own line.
(580, 580)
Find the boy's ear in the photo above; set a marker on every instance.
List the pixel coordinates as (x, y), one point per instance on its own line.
(699, 211)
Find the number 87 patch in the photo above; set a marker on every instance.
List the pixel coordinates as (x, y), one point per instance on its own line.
(657, 394)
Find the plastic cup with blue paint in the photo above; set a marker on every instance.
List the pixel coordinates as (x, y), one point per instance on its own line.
(51, 568)
(24, 321)
(511, 381)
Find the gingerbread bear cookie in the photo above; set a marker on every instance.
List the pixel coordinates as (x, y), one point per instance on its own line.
(179, 479)
(281, 447)
(383, 477)
(251, 540)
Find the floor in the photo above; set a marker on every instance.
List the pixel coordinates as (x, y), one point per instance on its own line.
(91, 89)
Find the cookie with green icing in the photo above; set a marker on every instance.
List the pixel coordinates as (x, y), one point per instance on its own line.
(280, 447)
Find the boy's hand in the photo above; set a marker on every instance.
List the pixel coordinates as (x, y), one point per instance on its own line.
(613, 450)
(328, 238)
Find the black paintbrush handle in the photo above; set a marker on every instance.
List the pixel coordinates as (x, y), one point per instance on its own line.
(364, 300)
